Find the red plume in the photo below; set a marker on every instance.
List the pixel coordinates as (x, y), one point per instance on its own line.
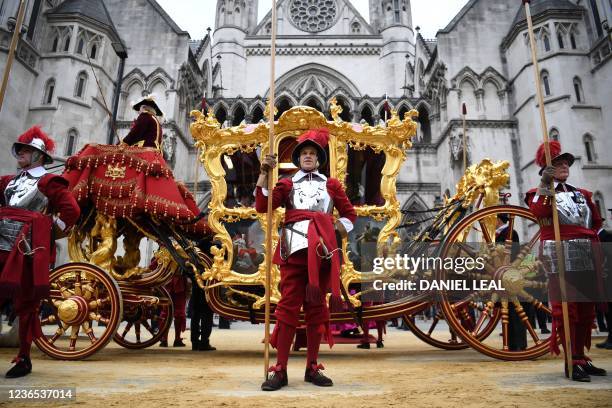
(36, 132)
(319, 136)
(555, 150)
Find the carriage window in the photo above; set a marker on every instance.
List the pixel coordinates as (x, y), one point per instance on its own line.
(363, 177)
(241, 173)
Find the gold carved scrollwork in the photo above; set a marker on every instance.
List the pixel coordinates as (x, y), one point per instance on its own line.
(393, 139)
(484, 179)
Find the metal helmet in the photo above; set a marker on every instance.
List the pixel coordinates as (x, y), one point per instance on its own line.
(37, 139)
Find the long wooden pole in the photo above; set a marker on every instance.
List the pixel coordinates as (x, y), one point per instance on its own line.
(270, 216)
(555, 213)
(464, 114)
(12, 49)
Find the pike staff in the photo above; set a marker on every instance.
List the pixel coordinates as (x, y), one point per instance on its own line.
(12, 49)
(269, 214)
(555, 213)
(464, 114)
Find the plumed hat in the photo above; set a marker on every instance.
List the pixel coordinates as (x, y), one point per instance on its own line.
(317, 138)
(37, 139)
(555, 154)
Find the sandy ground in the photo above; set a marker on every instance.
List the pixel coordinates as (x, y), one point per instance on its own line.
(405, 373)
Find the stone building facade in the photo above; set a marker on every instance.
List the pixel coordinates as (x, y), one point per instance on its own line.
(481, 58)
(65, 74)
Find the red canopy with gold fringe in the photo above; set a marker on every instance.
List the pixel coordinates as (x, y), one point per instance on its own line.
(128, 181)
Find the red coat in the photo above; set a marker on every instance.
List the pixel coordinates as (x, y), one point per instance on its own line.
(146, 132)
(16, 277)
(320, 226)
(542, 210)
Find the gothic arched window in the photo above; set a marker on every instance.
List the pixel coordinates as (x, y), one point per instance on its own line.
(546, 41)
(257, 115)
(560, 40)
(546, 83)
(55, 43)
(71, 142)
(589, 148)
(81, 83)
(49, 91)
(578, 90)
(573, 41)
(355, 28)
(80, 46)
(67, 43)
(93, 51)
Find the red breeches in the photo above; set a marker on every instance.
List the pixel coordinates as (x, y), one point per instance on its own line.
(294, 278)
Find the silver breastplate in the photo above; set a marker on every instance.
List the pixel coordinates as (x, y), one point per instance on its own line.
(307, 194)
(574, 209)
(22, 192)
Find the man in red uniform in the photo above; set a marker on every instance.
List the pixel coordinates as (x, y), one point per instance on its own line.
(146, 130)
(579, 221)
(33, 204)
(308, 253)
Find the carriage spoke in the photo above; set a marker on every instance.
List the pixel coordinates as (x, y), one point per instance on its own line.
(74, 335)
(98, 303)
(78, 290)
(99, 318)
(89, 331)
(505, 322)
(483, 316)
(148, 327)
(434, 323)
(126, 330)
(523, 316)
(485, 232)
(58, 333)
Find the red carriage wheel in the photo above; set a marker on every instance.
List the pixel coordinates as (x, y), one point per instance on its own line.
(520, 275)
(448, 339)
(144, 324)
(81, 314)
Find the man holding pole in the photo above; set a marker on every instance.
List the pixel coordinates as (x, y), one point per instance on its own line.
(33, 206)
(308, 253)
(579, 222)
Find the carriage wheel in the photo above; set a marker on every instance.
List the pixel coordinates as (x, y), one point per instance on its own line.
(517, 270)
(81, 314)
(144, 324)
(448, 339)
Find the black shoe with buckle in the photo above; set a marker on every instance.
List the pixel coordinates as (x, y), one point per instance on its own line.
(314, 375)
(178, 343)
(276, 380)
(578, 373)
(592, 370)
(22, 367)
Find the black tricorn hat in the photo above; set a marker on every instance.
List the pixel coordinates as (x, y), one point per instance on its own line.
(148, 101)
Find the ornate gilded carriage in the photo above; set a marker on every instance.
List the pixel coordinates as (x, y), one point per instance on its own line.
(237, 291)
(106, 293)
